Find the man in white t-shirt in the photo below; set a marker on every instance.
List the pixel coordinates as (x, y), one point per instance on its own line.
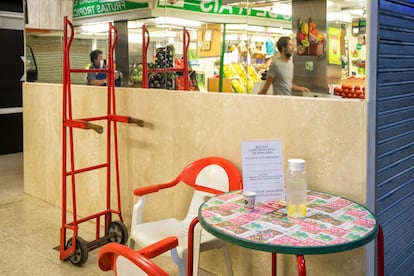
(280, 73)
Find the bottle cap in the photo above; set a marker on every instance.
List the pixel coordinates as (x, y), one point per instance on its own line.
(296, 164)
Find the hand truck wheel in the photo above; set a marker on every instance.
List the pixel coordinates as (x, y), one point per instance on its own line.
(80, 256)
(117, 232)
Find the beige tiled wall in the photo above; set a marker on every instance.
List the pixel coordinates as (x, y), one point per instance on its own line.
(183, 126)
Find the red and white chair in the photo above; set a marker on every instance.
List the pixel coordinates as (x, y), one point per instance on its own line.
(207, 177)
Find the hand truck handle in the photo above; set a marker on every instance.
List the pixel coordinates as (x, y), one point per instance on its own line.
(97, 128)
(137, 121)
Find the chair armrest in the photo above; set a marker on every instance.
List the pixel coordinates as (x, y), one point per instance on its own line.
(146, 190)
(159, 247)
(108, 253)
(155, 188)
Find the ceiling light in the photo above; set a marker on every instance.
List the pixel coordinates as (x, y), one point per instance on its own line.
(283, 9)
(95, 28)
(177, 22)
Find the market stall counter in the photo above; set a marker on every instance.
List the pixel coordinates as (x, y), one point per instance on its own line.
(180, 123)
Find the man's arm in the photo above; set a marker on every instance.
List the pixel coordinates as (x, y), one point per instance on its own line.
(92, 80)
(266, 86)
(97, 82)
(298, 88)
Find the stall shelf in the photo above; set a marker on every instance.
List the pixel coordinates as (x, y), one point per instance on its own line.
(242, 77)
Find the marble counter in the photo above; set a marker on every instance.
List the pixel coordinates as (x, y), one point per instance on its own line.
(330, 134)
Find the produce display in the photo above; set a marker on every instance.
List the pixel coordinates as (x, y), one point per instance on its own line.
(179, 81)
(238, 77)
(201, 82)
(164, 58)
(247, 82)
(238, 87)
(236, 83)
(350, 91)
(197, 81)
(252, 73)
(309, 40)
(135, 73)
(161, 80)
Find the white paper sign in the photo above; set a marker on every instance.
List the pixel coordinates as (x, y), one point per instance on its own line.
(262, 165)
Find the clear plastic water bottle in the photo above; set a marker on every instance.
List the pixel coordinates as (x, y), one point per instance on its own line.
(296, 188)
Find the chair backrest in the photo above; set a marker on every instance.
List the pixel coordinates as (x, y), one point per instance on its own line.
(209, 176)
(212, 174)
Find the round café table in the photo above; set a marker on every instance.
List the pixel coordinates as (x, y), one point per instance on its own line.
(332, 224)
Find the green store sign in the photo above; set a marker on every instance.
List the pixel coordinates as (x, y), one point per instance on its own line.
(83, 8)
(216, 7)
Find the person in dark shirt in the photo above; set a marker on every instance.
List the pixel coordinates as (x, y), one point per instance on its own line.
(99, 78)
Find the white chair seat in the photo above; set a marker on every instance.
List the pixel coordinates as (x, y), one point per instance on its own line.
(151, 232)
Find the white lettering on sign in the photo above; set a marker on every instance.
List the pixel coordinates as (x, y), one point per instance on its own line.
(84, 11)
(229, 8)
(111, 7)
(261, 13)
(214, 6)
(271, 14)
(81, 2)
(90, 7)
(209, 5)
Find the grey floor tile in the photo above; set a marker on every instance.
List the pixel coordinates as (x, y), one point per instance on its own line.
(30, 229)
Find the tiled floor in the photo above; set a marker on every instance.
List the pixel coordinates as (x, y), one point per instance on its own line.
(29, 230)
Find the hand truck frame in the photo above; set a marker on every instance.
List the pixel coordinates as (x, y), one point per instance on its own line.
(75, 248)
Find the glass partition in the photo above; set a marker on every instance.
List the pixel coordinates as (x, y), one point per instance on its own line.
(230, 44)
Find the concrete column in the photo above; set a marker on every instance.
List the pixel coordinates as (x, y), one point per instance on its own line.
(121, 50)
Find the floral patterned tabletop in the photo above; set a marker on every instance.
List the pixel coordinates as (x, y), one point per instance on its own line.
(333, 224)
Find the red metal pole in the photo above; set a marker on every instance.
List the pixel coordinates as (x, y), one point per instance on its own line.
(190, 247)
(300, 259)
(109, 84)
(186, 43)
(67, 115)
(63, 229)
(145, 44)
(274, 264)
(118, 186)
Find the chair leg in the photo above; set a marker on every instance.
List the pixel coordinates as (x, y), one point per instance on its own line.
(274, 264)
(181, 269)
(179, 262)
(196, 249)
(131, 243)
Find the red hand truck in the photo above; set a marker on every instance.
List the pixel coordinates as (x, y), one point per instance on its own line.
(75, 248)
